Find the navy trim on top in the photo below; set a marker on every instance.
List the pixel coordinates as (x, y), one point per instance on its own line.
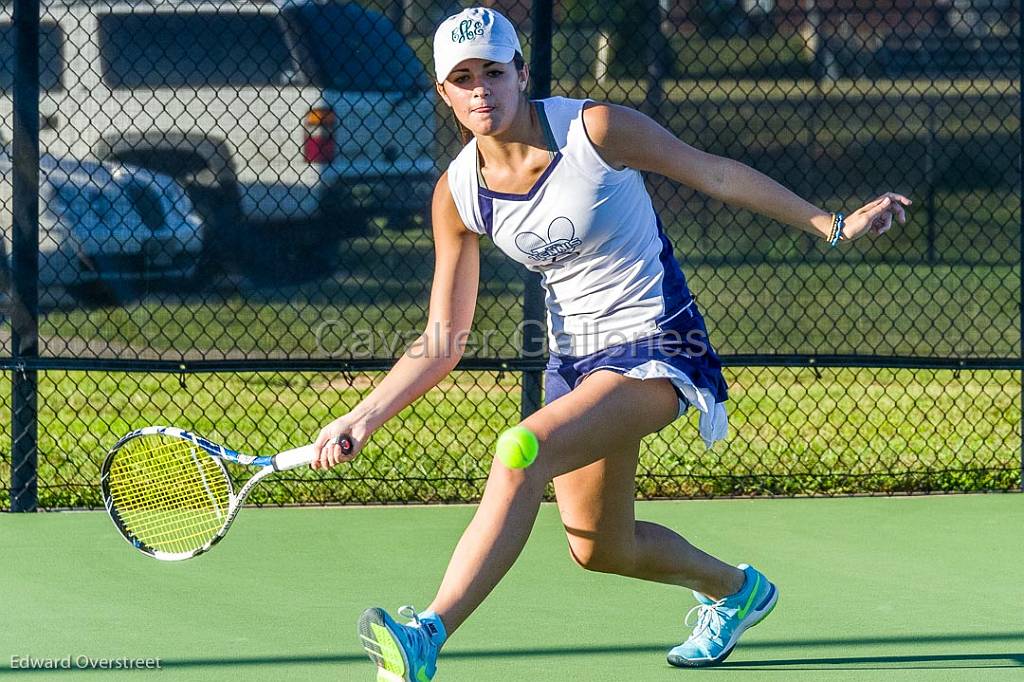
(549, 135)
(491, 194)
(487, 213)
(674, 289)
(552, 144)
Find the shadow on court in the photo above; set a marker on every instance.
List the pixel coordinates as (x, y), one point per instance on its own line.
(944, 661)
(941, 661)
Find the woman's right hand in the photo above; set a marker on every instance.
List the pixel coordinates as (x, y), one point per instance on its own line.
(329, 453)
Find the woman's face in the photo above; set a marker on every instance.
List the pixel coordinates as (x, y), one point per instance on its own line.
(484, 95)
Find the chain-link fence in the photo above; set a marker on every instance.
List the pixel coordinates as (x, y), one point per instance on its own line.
(215, 215)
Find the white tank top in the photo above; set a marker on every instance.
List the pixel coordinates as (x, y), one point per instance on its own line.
(590, 230)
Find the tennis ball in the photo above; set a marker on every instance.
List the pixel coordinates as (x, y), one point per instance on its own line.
(517, 447)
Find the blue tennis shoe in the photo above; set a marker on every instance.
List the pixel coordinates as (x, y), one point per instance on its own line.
(402, 653)
(720, 623)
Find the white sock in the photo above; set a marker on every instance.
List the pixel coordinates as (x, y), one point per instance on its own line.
(434, 628)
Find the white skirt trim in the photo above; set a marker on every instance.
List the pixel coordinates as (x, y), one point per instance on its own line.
(713, 423)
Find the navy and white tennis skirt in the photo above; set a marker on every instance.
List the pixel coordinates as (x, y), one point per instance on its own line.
(681, 353)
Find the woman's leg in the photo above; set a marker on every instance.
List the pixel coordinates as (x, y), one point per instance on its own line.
(596, 505)
(607, 413)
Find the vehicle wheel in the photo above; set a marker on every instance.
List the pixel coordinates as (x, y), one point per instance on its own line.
(218, 209)
(102, 292)
(94, 293)
(290, 254)
(339, 217)
(405, 220)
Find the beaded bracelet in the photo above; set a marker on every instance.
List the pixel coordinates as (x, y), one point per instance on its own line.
(838, 222)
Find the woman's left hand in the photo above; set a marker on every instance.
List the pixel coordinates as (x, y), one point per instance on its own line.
(876, 217)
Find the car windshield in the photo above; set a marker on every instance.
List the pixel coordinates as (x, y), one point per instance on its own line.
(192, 49)
(51, 58)
(354, 49)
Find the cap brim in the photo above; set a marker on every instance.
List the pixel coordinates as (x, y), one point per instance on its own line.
(492, 53)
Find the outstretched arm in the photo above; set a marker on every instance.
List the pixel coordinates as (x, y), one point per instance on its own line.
(436, 351)
(626, 137)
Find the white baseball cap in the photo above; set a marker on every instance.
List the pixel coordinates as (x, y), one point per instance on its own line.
(473, 33)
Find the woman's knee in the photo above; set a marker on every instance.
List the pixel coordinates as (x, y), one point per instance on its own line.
(511, 478)
(540, 468)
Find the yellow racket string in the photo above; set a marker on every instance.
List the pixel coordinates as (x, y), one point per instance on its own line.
(168, 493)
(177, 499)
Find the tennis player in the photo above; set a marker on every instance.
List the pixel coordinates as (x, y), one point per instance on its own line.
(557, 185)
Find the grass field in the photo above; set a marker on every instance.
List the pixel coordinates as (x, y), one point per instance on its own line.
(911, 589)
(792, 432)
(843, 307)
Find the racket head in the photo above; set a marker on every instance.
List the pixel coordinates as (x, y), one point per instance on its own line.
(167, 496)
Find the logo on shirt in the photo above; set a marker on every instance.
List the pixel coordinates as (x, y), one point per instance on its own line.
(467, 30)
(560, 244)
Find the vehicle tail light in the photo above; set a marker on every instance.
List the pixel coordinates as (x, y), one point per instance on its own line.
(319, 145)
(321, 116)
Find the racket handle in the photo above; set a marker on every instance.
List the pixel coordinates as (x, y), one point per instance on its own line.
(290, 459)
(344, 441)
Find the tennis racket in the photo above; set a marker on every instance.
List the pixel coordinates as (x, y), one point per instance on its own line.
(170, 495)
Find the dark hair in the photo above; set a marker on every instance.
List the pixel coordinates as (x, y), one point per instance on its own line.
(465, 134)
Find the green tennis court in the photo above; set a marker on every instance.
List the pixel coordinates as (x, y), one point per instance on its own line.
(922, 588)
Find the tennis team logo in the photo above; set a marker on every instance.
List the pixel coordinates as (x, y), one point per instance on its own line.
(560, 244)
(467, 30)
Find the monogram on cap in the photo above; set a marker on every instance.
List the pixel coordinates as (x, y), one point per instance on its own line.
(474, 33)
(467, 30)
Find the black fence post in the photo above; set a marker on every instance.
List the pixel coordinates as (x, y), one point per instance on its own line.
(534, 318)
(1020, 208)
(655, 52)
(931, 175)
(25, 257)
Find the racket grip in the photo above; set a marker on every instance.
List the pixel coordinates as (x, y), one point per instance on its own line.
(290, 459)
(345, 442)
